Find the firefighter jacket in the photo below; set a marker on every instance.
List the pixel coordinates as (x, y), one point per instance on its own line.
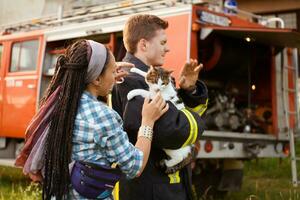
(175, 129)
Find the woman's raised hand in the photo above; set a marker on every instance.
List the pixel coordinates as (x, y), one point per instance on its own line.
(122, 70)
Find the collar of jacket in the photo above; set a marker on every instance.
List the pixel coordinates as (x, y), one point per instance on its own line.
(137, 62)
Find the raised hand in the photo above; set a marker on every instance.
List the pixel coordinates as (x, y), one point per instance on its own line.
(189, 74)
(122, 70)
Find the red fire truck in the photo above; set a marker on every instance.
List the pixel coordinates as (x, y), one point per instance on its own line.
(251, 72)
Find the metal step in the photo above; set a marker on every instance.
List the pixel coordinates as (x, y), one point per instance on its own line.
(296, 133)
(290, 67)
(289, 90)
(291, 112)
(296, 136)
(297, 158)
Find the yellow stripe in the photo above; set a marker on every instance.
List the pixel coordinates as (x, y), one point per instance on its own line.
(109, 101)
(174, 178)
(200, 109)
(193, 128)
(204, 108)
(196, 130)
(177, 177)
(187, 142)
(116, 191)
(171, 178)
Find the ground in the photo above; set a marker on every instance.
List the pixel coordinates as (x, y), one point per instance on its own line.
(265, 179)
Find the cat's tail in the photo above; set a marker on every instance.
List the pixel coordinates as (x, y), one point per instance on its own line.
(137, 92)
(130, 95)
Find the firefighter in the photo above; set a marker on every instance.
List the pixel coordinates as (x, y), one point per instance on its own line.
(146, 43)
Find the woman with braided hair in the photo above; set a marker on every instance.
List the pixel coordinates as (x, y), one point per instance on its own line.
(85, 137)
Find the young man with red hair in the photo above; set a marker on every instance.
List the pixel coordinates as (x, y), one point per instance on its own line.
(146, 43)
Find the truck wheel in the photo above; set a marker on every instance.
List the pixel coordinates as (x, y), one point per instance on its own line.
(9, 150)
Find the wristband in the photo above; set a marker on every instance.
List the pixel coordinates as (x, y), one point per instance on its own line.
(146, 131)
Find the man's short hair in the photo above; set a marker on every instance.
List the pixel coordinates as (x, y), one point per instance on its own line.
(141, 27)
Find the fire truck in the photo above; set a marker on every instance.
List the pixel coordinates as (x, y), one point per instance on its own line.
(250, 69)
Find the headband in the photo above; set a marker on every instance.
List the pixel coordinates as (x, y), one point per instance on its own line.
(97, 60)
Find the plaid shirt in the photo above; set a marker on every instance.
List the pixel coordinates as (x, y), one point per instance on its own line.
(99, 137)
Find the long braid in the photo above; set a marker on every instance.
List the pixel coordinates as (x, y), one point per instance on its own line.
(59, 139)
(56, 79)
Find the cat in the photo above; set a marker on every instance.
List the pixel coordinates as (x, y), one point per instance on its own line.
(159, 79)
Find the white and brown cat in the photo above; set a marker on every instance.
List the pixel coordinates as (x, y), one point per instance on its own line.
(159, 79)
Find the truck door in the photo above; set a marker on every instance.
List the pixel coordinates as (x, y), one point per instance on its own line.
(1, 83)
(20, 87)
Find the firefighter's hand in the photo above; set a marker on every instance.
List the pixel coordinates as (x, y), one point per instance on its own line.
(122, 70)
(189, 75)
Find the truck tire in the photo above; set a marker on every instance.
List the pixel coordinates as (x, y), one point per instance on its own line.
(10, 149)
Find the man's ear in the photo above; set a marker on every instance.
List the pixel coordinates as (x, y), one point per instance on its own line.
(142, 45)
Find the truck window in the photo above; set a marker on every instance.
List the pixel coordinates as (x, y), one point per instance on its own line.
(50, 62)
(24, 56)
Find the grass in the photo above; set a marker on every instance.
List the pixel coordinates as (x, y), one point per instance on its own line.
(265, 179)
(15, 186)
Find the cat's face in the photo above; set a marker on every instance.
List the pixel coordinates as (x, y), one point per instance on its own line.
(158, 76)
